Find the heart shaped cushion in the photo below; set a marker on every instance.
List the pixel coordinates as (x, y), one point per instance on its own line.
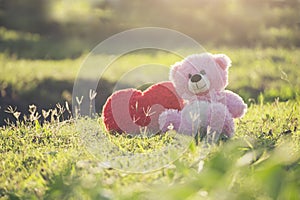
(130, 110)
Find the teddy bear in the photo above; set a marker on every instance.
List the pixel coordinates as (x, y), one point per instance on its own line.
(201, 79)
(132, 111)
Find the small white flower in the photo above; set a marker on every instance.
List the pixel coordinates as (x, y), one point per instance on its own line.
(171, 127)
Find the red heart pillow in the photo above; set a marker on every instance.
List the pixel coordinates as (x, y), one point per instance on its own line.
(130, 110)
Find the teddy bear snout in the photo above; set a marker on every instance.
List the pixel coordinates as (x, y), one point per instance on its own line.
(196, 78)
(198, 83)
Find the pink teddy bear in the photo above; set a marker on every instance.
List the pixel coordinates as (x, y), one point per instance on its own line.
(200, 80)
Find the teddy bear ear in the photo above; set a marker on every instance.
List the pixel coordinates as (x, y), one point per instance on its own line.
(222, 60)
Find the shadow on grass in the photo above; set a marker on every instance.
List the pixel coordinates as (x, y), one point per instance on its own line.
(49, 47)
(45, 95)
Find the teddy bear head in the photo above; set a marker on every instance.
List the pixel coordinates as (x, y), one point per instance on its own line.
(198, 74)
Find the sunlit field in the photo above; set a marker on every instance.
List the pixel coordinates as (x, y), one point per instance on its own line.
(47, 151)
(51, 160)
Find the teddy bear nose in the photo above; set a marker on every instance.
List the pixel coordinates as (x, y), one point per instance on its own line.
(196, 78)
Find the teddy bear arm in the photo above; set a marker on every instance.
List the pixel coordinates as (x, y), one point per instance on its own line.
(170, 119)
(235, 104)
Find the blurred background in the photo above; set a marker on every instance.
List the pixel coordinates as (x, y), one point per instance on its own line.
(41, 40)
(55, 29)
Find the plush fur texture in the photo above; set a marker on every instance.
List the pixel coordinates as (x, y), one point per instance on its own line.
(129, 110)
(201, 80)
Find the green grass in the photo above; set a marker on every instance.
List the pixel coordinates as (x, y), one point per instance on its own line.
(53, 161)
(74, 159)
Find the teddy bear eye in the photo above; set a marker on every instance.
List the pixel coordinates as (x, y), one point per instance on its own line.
(202, 72)
(190, 75)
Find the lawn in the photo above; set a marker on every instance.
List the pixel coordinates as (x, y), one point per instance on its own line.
(54, 160)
